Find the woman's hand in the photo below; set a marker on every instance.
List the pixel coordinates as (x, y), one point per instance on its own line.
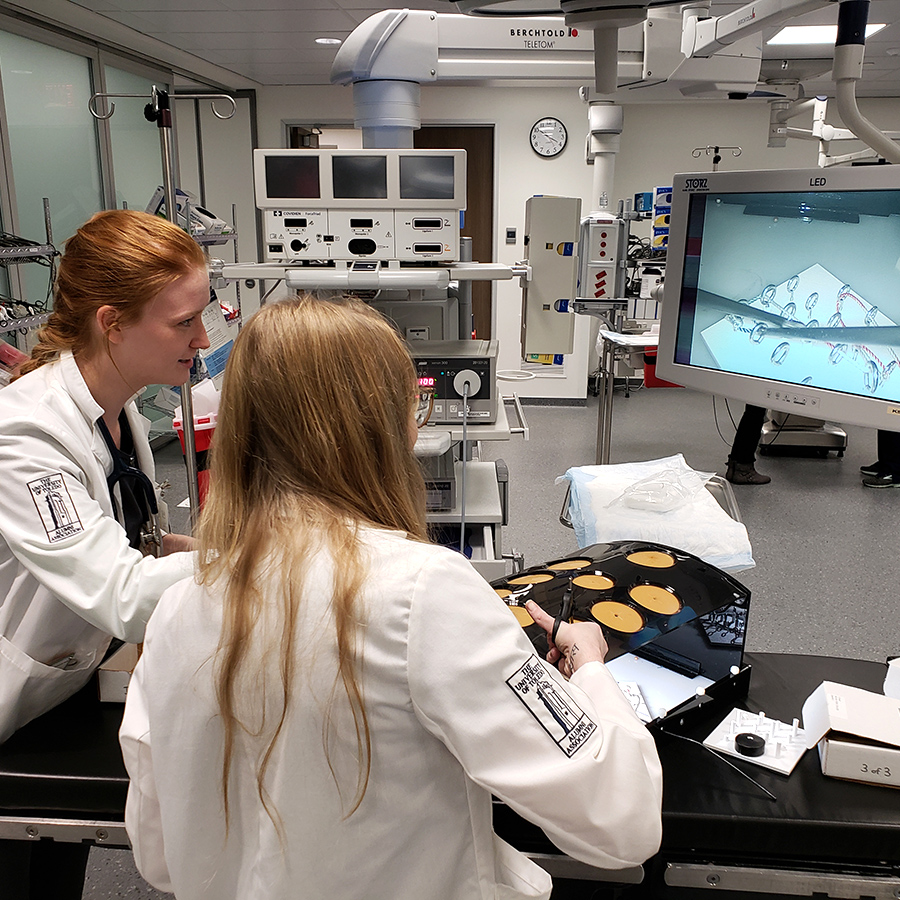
(576, 643)
(177, 543)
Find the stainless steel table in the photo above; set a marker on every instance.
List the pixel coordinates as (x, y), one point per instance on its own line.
(613, 346)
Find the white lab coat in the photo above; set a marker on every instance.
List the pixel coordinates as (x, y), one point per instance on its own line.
(459, 708)
(68, 578)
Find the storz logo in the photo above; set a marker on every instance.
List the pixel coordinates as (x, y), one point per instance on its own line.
(695, 184)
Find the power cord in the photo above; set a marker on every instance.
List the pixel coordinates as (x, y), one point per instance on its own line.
(734, 424)
(462, 500)
(268, 293)
(716, 420)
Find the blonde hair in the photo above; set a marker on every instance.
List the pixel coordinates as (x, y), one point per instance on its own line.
(120, 258)
(312, 440)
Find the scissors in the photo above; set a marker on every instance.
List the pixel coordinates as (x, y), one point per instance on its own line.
(565, 612)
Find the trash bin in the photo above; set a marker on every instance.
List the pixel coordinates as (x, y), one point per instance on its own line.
(204, 427)
(650, 378)
(205, 402)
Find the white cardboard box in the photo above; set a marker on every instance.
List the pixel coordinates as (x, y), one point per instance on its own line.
(114, 675)
(857, 732)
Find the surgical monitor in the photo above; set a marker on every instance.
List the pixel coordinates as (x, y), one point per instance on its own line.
(322, 206)
(783, 290)
(360, 179)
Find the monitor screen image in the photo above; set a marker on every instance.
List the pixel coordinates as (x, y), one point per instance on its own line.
(359, 177)
(785, 296)
(426, 177)
(295, 177)
(327, 178)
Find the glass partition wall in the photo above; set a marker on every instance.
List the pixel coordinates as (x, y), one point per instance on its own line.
(54, 149)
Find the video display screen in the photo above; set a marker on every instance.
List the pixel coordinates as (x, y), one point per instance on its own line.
(359, 177)
(426, 177)
(293, 177)
(800, 288)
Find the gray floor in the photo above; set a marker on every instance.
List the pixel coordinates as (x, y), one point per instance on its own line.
(826, 549)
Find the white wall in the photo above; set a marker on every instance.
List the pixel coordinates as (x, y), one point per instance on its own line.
(657, 142)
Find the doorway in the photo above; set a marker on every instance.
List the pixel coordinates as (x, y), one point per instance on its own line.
(478, 142)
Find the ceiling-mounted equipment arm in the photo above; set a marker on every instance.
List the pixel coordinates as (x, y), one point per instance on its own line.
(847, 68)
(422, 46)
(702, 37)
(848, 62)
(678, 49)
(394, 44)
(388, 56)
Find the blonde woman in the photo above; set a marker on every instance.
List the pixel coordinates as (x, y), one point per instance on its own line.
(327, 709)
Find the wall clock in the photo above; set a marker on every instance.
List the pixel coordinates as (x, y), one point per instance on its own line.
(548, 137)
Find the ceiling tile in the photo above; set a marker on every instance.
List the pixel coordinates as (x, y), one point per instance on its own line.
(273, 21)
(290, 40)
(256, 38)
(258, 5)
(130, 20)
(178, 22)
(297, 67)
(373, 6)
(99, 6)
(263, 23)
(148, 8)
(245, 56)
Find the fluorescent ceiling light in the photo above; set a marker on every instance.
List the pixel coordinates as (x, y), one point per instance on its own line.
(814, 34)
(328, 41)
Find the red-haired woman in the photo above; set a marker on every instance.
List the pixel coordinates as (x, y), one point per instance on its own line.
(77, 472)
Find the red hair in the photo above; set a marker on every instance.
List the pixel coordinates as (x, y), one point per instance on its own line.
(120, 258)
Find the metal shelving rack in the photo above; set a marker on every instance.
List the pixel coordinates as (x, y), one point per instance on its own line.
(29, 252)
(482, 506)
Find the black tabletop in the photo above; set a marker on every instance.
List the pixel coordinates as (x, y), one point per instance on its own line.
(711, 812)
(813, 817)
(68, 764)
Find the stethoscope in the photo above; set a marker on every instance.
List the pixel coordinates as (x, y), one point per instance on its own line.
(150, 539)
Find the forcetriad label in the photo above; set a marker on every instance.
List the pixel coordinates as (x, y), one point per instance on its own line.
(560, 717)
(55, 507)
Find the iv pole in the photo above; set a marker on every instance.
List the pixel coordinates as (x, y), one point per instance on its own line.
(158, 110)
